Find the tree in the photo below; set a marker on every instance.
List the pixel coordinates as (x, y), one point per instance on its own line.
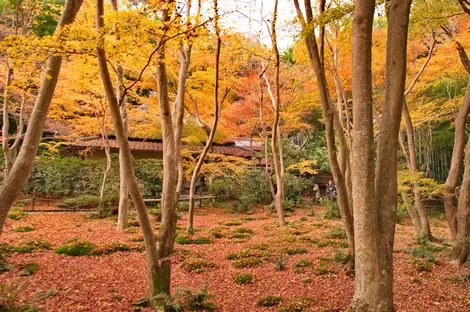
(375, 193)
(339, 163)
(157, 282)
(20, 170)
(197, 168)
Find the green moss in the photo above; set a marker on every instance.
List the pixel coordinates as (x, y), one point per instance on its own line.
(197, 265)
(76, 248)
(16, 214)
(269, 301)
(303, 263)
(22, 229)
(244, 230)
(243, 278)
(336, 233)
(247, 263)
(26, 247)
(232, 223)
(187, 240)
(293, 251)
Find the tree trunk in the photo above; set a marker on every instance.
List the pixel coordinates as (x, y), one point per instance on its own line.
(456, 163)
(19, 173)
(425, 228)
(332, 122)
(166, 237)
(411, 211)
(153, 266)
(6, 126)
(123, 208)
(192, 187)
(184, 58)
(366, 227)
(461, 246)
(375, 203)
(265, 137)
(276, 143)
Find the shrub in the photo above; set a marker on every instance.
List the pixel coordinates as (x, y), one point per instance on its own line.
(331, 211)
(83, 201)
(247, 263)
(197, 265)
(280, 262)
(16, 214)
(76, 247)
(22, 229)
(243, 278)
(73, 176)
(269, 301)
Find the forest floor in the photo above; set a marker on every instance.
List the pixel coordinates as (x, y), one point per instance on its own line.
(310, 249)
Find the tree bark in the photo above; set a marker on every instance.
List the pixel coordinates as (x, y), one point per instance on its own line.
(456, 163)
(366, 225)
(375, 198)
(197, 168)
(386, 169)
(11, 187)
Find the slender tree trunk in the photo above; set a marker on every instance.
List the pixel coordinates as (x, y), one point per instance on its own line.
(184, 58)
(123, 208)
(153, 265)
(332, 123)
(425, 228)
(456, 163)
(6, 125)
(276, 143)
(19, 173)
(167, 234)
(192, 187)
(265, 137)
(411, 211)
(461, 246)
(423, 231)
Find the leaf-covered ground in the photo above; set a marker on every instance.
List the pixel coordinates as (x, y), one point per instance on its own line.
(224, 246)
